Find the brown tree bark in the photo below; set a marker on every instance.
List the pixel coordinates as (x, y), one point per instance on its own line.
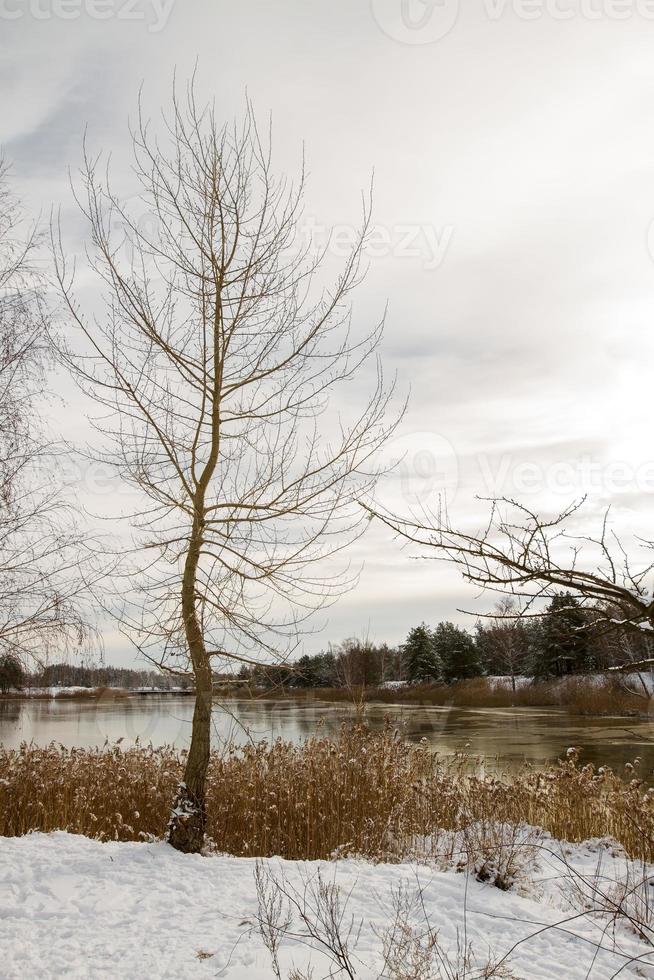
(188, 821)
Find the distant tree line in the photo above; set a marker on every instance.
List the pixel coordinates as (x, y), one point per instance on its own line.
(565, 639)
(560, 641)
(71, 675)
(13, 676)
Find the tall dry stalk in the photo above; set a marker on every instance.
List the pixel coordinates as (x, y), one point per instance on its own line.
(364, 793)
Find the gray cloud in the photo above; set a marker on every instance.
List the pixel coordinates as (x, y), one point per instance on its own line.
(532, 337)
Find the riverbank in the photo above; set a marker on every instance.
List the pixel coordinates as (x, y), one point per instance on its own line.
(84, 909)
(89, 693)
(590, 695)
(502, 739)
(587, 694)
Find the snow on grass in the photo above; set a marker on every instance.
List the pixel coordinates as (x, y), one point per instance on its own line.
(74, 907)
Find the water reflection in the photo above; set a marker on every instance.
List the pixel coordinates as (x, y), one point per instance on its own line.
(504, 737)
(9, 713)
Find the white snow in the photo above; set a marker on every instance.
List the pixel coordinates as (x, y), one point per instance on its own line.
(496, 680)
(73, 907)
(633, 679)
(54, 692)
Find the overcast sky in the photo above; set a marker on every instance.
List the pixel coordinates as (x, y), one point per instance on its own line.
(513, 151)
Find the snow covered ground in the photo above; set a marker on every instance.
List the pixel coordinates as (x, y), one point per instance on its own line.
(73, 907)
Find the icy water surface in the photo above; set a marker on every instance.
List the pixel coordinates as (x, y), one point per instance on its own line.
(505, 737)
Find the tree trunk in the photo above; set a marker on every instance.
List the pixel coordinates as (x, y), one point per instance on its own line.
(188, 820)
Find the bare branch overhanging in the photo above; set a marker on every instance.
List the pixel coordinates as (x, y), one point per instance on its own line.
(522, 554)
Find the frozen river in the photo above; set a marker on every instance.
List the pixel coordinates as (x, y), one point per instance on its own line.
(506, 737)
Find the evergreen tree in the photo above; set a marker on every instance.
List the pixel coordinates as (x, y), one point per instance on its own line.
(486, 651)
(315, 671)
(457, 653)
(11, 673)
(420, 656)
(563, 643)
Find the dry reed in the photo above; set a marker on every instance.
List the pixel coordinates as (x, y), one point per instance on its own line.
(362, 792)
(602, 696)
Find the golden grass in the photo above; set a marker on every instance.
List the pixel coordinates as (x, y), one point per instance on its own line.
(362, 792)
(576, 694)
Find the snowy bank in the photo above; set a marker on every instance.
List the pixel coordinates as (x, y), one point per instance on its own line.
(74, 907)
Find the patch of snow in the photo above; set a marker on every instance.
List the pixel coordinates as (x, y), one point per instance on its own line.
(74, 907)
(505, 681)
(54, 691)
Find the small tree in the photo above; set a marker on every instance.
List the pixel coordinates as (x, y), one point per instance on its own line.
(457, 653)
(220, 354)
(421, 658)
(12, 674)
(358, 664)
(503, 642)
(391, 663)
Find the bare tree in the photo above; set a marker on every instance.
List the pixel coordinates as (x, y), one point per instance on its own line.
(44, 577)
(216, 360)
(522, 555)
(504, 638)
(358, 663)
